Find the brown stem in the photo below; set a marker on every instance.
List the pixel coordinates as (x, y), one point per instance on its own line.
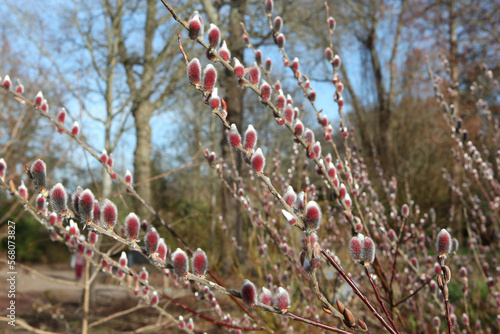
(414, 292)
(357, 291)
(86, 299)
(393, 271)
(116, 315)
(380, 299)
(444, 291)
(129, 188)
(22, 323)
(131, 244)
(182, 49)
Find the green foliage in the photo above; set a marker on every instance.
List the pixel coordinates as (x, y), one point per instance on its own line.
(33, 243)
(455, 290)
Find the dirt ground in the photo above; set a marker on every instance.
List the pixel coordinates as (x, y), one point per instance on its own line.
(53, 306)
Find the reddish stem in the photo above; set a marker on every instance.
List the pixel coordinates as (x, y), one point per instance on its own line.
(357, 291)
(414, 292)
(380, 299)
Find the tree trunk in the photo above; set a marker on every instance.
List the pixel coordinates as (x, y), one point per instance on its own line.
(234, 101)
(453, 61)
(386, 147)
(142, 155)
(454, 54)
(384, 109)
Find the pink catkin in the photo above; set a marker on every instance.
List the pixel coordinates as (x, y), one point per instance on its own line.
(265, 91)
(278, 24)
(299, 204)
(151, 240)
(258, 161)
(162, 249)
(209, 78)
(392, 235)
(268, 64)
(132, 226)
(347, 201)
(214, 100)
(52, 218)
(313, 215)
(317, 149)
(288, 113)
(38, 99)
(277, 86)
(309, 136)
(233, 136)
(282, 299)
(280, 40)
(144, 275)
(199, 262)
(97, 213)
(62, 116)
(258, 57)
(73, 228)
(332, 173)
(128, 177)
(250, 137)
(7, 83)
(109, 214)
(266, 297)
(213, 36)
(180, 262)
(249, 293)
(196, 28)
(3, 168)
(280, 100)
(104, 157)
(110, 160)
(38, 172)
(20, 88)
(58, 198)
(239, 70)
(342, 191)
(269, 7)
(45, 106)
(155, 298)
(298, 128)
(443, 243)
(40, 203)
(368, 251)
(194, 71)
(336, 62)
(75, 129)
(224, 52)
(405, 210)
(289, 196)
(123, 259)
(331, 23)
(355, 249)
(75, 199)
(86, 206)
(93, 237)
(254, 75)
(295, 64)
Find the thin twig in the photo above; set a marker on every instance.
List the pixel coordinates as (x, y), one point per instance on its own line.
(375, 289)
(117, 314)
(357, 291)
(414, 292)
(45, 277)
(86, 299)
(22, 323)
